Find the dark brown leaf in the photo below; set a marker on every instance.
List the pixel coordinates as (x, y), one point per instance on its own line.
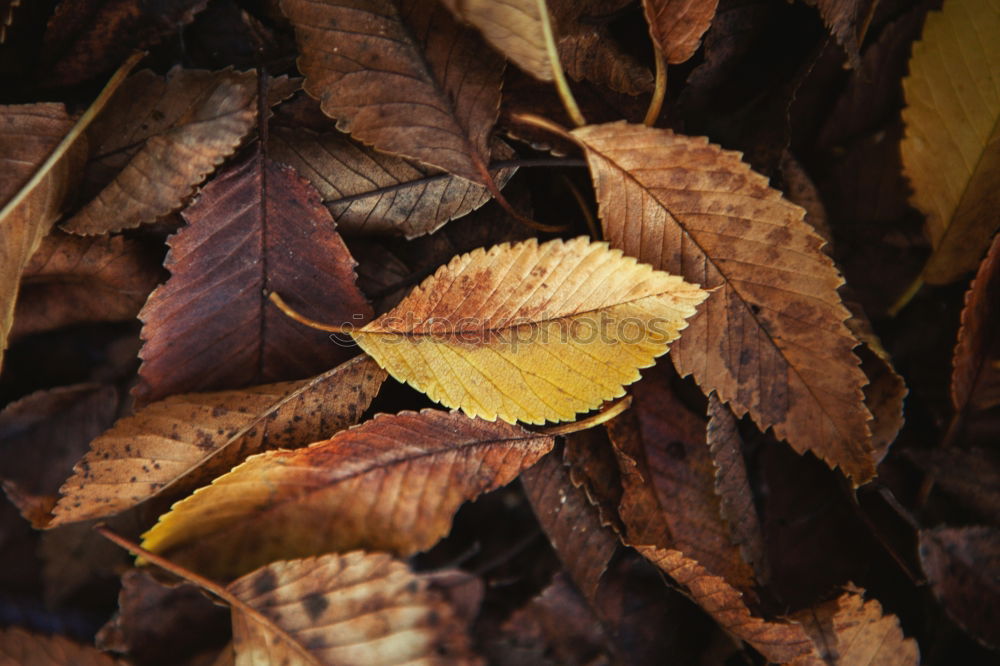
(848, 22)
(594, 468)
(21, 648)
(975, 379)
(678, 25)
(592, 55)
(972, 475)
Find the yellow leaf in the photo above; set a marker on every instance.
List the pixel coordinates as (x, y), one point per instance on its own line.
(531, 332)
(951, 151)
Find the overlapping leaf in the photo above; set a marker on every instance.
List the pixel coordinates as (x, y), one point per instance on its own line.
(951, 151)
(184, 441)
(358, 608)
(678, 25)
(848, 21)
(368, 191)
(23, 648)
(771, 339)
(975, 378)
(592, 55)
(404, 77)
(257, 228)
(531, 332)
(392, 483)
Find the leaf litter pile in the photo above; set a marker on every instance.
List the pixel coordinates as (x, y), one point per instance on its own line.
(499, 332)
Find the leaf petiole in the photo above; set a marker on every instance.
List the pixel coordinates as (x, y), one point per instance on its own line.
(306, 321)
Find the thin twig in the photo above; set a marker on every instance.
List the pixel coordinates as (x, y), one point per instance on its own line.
(597, 419)
(275, 298)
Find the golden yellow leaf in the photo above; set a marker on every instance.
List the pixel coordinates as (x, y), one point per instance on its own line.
(531, 332)
(951, 150)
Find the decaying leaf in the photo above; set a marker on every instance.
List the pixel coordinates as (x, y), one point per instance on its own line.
(160, 138)
(593, 467)
(368, 191)
(184, 441)
(668, 481)
(392, 82)
(22, 648)
(72, 280)
(963, 568)
(592, 55)
(357, 608)
(28, 134)
(257, 228)
(678, 25)
(771, 338)
(975, 377)
(393, 483)
(951, 151)
(531, 332)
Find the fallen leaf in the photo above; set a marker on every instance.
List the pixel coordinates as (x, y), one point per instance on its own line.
(771, 339)
(256, 228)
(531, 332)
(970, 475)
(592, 55)
(22, 648)
(951, 151)
(677, 26)
(392, 82)
(160, 138)
(668, 481)
(975, 377)
(85, 38)
(571, 523)
(593, 467)
(72, 280)
(847, 21)
(357, 608)
(368, 191)
(28, 135)
(393, 483)
(733, 487)
(180, 443)
(963, 567)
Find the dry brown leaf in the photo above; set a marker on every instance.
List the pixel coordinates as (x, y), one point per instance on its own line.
(391, 82)
(848, 21)
(592, 55)
(393, 483)
(677, 26)
(368, 191)
(531, 332)
(594, 468)
(180, 443)
(963, 567)
(28, 134)
(22, 648)
(975, 376)
(668, 479)
(771, 338)
(571, 522)
(158, 140)
(733, 487)
(256, 228)
(357, 608)
(72, 280)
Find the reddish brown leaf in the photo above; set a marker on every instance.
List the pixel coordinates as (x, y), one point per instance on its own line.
(72, 280)
(594, 468)
(678, 25)
(771, 339)
(21, 648)
(975, 378)
(178, 444)
(668, 478)
(368, 191)
(963, 567)
(393, 483)
(257, 228)
(848, 22)
(392, 81)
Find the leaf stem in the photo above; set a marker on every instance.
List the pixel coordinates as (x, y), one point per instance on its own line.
(209, 586)
(306, 321)
(659, 90)
(907, 296)
(588, 216)
(597, 419)
(545, 124)
(562, 85)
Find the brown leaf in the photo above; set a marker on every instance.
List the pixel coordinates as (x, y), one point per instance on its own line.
(393, 483)
(733, 487)
(594, 468)
(358, 608)
(669, 498)
(86, 38)
(971, 475)
(678, 25)
(368, 191)
(28, 134)
(180, 443)
(571, 522)
(160, 138)
(72, 280)
(592, 55)
(975, 377)
(256, 228)
(392, 81)
(21, 648)
(963, 567)
(771, 339)
(848, 22)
